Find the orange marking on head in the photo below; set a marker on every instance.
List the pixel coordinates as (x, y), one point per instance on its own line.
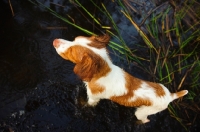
(74, 53)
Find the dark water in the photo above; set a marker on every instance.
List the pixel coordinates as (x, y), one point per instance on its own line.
(40, 92)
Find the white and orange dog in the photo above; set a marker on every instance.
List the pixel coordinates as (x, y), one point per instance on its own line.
(104, 80)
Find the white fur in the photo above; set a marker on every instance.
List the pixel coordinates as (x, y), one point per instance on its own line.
(64, 45)
(114, 83)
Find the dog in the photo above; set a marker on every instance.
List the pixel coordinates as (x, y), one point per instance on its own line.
(104, 80)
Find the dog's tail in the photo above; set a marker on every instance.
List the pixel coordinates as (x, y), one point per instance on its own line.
(178, 94)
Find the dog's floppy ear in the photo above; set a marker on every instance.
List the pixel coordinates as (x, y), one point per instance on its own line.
(103, 38)
(100, 41)
(88, 66)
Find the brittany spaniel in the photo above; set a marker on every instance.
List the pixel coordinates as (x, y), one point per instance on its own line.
(104, 80)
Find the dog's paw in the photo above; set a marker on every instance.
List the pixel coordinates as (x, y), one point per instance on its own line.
(87, 105)
(139, 122)
(92, 102)
(146, 120)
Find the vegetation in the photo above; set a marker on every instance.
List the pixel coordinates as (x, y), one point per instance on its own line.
(170, 40)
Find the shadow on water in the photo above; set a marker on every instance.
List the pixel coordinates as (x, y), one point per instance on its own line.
(40, 92)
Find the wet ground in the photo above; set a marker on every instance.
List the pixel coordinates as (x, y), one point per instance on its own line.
(40, 92)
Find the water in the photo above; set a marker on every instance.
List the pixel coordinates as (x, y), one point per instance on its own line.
(40, 92)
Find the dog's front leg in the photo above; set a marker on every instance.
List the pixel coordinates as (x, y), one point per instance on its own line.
(93, 99)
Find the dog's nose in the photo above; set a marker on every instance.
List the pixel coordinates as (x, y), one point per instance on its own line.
(56, 43)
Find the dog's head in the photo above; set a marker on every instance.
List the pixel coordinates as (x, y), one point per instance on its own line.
(88, 53)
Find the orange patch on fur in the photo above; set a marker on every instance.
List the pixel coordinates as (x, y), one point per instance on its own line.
(74, 54)
(132, 84)
(99, 41)
(92, 66)
(179, 94)
(158, 89)
(95, 88)
(124, 100)
(88, 64)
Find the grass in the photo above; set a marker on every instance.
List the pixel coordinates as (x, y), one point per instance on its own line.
(178, 57)
(170, 39)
